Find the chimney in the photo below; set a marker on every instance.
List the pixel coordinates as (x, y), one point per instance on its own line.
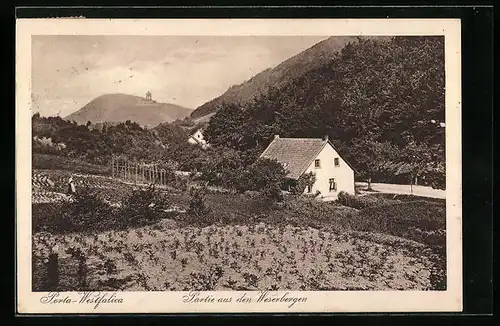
(325, 138)
(276, 136)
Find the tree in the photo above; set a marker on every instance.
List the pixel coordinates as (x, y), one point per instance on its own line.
(223, 128)
(305, 180)
(198, 211)
(266, 173)
(371, 156)
(219, 166)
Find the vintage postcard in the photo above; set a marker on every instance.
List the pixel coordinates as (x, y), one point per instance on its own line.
(238, 165)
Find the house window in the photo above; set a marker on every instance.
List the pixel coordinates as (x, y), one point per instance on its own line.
(316, 164)
(336, 161)
(309, 189)
(333, 185)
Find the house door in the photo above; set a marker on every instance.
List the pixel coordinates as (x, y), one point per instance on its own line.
(333, 185)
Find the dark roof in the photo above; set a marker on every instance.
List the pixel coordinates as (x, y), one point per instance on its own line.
(296, 154)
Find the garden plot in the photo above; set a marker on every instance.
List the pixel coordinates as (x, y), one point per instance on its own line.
(236, 257)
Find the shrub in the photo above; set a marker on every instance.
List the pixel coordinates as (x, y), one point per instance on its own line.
(436, 180)
(266, 176)
(299, 186)
(48, 217)
(307, 211)
(360, 202)
(86, 210)
(240, 180)
(219, 166)
(265, 173)
(198, 212)
(273, 192)
(143, 206)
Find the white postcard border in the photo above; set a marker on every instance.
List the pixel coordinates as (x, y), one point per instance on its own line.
(171, 302)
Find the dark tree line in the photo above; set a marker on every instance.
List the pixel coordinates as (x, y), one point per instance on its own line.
(99, 143)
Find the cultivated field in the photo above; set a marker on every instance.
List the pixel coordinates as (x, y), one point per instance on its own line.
(301, 244)
(239, 258)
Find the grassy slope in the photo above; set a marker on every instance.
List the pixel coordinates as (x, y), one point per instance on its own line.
(386, 215)
(54, 162)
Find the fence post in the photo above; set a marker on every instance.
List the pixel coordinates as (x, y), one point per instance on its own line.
(53, 272)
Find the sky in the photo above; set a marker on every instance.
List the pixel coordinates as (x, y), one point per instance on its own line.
(69, 71)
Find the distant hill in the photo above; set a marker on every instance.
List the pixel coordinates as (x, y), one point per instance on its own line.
(122, 107)
(278, 77)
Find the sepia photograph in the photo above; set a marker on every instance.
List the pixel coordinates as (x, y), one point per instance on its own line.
(264, 164)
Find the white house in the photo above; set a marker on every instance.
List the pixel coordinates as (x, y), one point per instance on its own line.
(197, 139)
(303, 155)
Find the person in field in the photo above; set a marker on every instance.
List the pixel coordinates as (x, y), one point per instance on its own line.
(71, 185)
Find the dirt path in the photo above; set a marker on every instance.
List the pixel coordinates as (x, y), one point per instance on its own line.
(422, 191)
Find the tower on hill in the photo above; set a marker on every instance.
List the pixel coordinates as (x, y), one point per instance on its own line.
(148, 96)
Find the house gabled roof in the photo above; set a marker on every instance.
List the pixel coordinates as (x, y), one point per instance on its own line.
(296, 154)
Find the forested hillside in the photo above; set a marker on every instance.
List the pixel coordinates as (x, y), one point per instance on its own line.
(279, 76)
(380, 100)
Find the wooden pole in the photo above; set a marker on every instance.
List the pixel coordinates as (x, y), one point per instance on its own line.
(112, 167)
